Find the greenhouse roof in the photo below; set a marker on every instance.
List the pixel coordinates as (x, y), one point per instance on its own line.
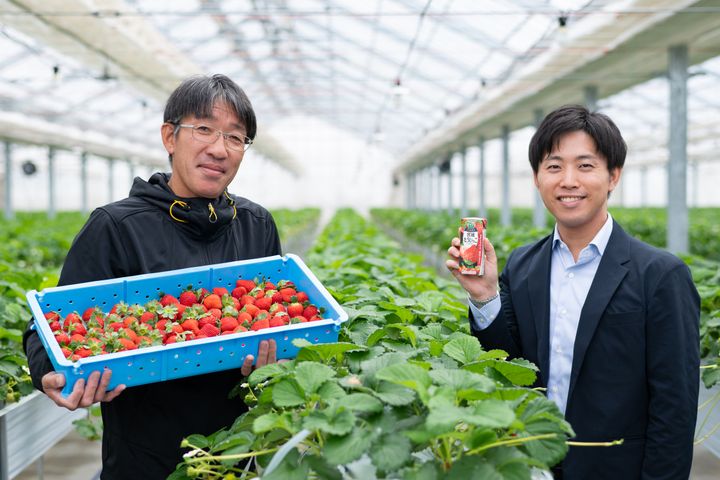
(398, 73)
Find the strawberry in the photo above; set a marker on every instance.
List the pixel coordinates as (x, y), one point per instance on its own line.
(315, 318)
(247, 300)
(148, 317)
(288, 291)
(278, 298)
(239, 329)
(260, 324)
(190, 324)
(302, 297)
(188, 298)
(244, 317)
(127, 344)
(83, 352)
(263, 303)
(246, 284)
(228, 324)
(238, 292)
(269, 286)
(72, 319)
(168, 299)
(55, 326)
(130, 321)
(62, 338)
(251, 309)
(52, 316)
(87, 313)
(209, 330)
(277, 322)
(216, 312)
(277, 307)
(295, 309)
(309, 311)
(212, 301)
(220, 291)
(66, 351)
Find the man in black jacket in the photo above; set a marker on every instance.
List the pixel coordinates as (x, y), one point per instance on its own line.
(611, 322)
(172, 221)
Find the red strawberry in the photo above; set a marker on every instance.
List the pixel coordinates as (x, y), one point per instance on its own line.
(298, 319)
(310, 311)
(188, 298)
(288, 291)
(209, 330)
(269, 286)
(302, 297)
(239, 292)
(168, 299)
(277, 307)
(220, 291)
(251, 309)
(55, 326)
(228, 324)
(260, 324)
(295, 309)
(72, 319)
(239, 329)
(263, 303)
(127, 344)
(246, 284)
(212, 301)
(247, 300)
(148, 317)
(129, 321)
(66, 351)
(87, 313)
(244, 317)
(277, 322)
(52, 316)
(216, 312)
(210, 319)
(190, 324)
(62, 338)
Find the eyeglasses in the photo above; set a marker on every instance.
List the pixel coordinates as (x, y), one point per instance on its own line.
(206, 134)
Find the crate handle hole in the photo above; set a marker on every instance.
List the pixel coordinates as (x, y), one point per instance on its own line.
(197, 365)
(220, 361)
(221, 348)
(242, 345)
(232, 354)
(129, 364)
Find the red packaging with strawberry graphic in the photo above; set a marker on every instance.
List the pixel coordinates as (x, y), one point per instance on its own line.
(472, 239)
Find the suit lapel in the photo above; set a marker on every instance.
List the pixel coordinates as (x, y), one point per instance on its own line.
(539, 291)
(610, 273)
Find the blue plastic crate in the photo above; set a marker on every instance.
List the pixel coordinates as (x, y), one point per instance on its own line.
(184, 359)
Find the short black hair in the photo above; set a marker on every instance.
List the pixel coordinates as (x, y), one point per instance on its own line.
(197, 95)
(572, 118)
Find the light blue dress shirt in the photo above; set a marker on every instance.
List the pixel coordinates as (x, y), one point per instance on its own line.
(569, 285)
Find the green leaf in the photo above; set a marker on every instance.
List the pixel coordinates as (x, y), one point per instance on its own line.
(407, 375)
(342, 450)
(269, 421)
(330, 391)
(394, 394)
(516, 371)
(240, 442)
(711, 377)
(267, 371)
(469, 467)
(198, 441)
(340, 423)
(360, 402)
(287, 393)
(323, 469)
(310, 375)
(465, 349)
(462, 380)
(491, 413)
(390, 452)
(328, 351)
(427, 471)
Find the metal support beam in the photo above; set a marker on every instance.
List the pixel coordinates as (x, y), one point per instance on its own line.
(481, 178)
(539, 217)
(464, 183)
(438, 189)
(643, 186)
(9, 212)
(111, 180)
(51, 183)
(591, 97)
(505, 211)
(407, 191)
(84, 183)
(677, 219)
(450, 186)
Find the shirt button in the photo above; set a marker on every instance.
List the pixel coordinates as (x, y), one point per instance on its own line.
(563, 311)
(558, 349)
(571, 275)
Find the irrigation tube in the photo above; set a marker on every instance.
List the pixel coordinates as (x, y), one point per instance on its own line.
(285, 449)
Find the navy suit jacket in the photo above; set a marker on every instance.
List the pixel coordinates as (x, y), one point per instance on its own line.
(635, 371)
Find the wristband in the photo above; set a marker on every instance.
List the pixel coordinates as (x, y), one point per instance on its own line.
(482, 303)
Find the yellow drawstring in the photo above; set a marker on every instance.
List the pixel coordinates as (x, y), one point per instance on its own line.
(232, 203)
(213, 215)
(182, 204)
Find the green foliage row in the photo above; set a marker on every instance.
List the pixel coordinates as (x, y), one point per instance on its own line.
(405, 393)
(32, 248)
(291, 223)
(436, 229)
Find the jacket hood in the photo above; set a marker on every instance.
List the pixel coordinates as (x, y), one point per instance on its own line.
(200, 217)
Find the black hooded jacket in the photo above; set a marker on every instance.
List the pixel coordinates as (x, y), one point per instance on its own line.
(152, 231)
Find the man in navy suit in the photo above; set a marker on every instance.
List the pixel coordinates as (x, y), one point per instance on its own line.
(611, 322)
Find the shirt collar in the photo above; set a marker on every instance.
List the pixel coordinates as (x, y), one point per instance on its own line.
(600, 240)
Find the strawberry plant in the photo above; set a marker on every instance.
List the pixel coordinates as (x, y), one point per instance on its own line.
(406, 391)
